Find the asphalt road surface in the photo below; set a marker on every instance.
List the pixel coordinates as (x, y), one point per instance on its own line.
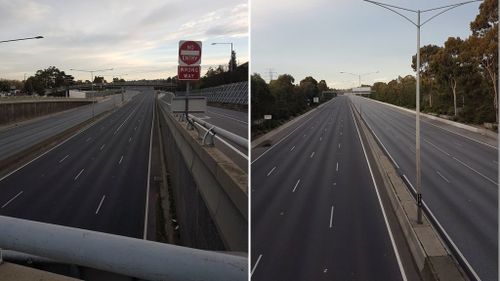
(459, 179)
(233, 121)
(95, 180)
(316, 214)
(14, 139)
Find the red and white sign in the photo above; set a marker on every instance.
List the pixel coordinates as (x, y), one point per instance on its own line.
(189, 53)
(188, 72)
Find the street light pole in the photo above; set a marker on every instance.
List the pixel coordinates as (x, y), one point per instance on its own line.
(418, 25)
(231, 56)
(20, 39)
(92, 83)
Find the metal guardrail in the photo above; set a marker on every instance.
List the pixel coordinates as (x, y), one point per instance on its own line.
(462, 260)
(209, 132)
(119, 254)
(214, 130)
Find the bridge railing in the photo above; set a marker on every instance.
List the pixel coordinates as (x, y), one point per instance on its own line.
(133, 257)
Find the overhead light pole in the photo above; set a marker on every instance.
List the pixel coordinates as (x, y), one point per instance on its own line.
(418, 24)
(92, 82)
(231, 56)
(359, 75)
(20, 39)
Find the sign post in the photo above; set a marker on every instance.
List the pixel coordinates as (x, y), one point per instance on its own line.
(189, 65)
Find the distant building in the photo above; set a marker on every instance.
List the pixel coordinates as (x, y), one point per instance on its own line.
(362, 91)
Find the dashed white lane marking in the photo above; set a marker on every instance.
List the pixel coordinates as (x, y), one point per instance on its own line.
(331, 217)
(102, 146)
(337, 166)
(100, 204)
(435, 146)
(340, 133)
(79, 174)
(121, 158)
(443, 177)
(121, 125)
(292, 148)
(135, 128)
(88, 139)
(476, 171)
(130, 139)
(270, 172)
(255, 266)
(339, 145)
(320, 138)
(12, 199)
(312, 155)
(295, 187)
(60, 161)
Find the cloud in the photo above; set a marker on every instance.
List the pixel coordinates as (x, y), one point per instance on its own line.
(124, 34)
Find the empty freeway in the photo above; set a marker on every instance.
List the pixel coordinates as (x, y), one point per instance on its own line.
(459, 178)
(18, 137)
(316, 212)
(96, 180)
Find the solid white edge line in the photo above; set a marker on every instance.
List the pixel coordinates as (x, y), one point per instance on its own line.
(295, 187)
(145, 235)
(256, 264)
(394, 247)
(312, 155)
(292, 148)
(12, 199)
(100, 204)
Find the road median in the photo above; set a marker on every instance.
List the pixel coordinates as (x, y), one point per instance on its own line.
(429, 252)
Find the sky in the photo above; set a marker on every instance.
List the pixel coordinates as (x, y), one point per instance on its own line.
(138, 39)
(321, 38)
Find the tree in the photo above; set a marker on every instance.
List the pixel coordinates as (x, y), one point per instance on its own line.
(322, 86)
(309, 87)
(99, 80)
(262, 100)
(484, 45)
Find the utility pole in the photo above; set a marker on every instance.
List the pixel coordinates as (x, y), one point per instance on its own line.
(271, 72)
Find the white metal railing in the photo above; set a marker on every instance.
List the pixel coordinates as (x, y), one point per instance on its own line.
(119, 254)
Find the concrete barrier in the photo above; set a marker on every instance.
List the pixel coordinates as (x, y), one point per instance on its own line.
(19, 110)
(470, 128)
(223, 186)
(427, 248)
